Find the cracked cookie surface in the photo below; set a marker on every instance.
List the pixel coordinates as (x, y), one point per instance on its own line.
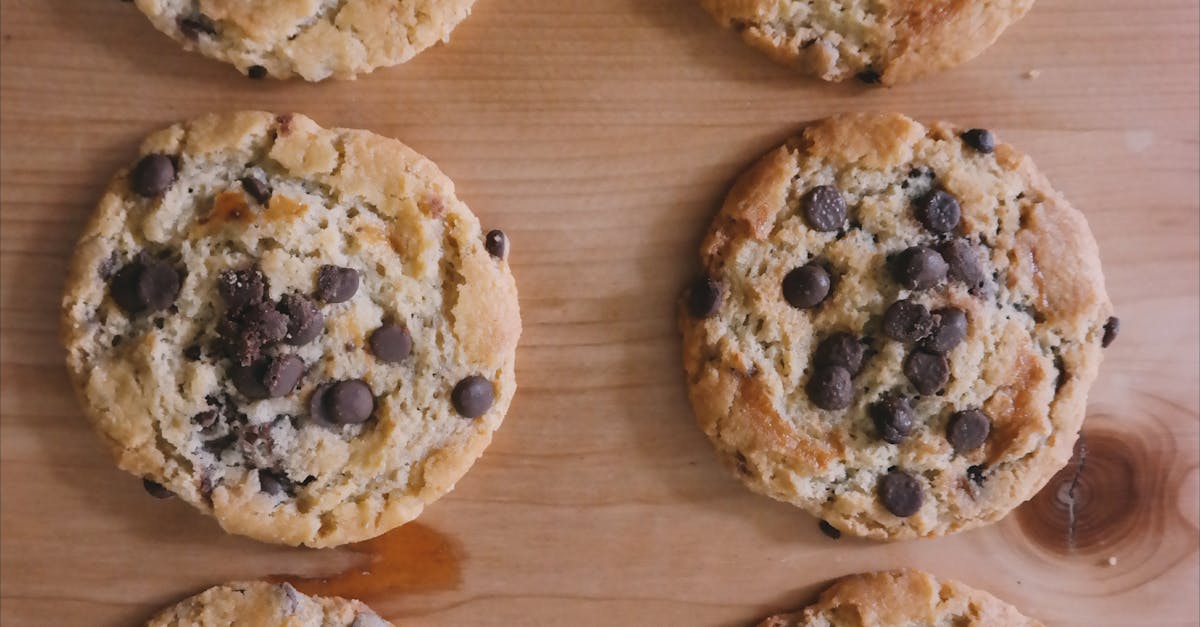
(260, 604)
(300, 331)
(878, 41)
(903, 598)
(897, 327)
(313, 39)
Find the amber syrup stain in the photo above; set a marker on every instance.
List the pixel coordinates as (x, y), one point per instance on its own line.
(410, 559)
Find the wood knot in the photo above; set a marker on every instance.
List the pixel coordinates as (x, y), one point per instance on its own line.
(1095, 502)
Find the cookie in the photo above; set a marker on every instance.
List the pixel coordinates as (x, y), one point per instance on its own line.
(312, 39)
(259, 604)
(878, 42)
(897, 326)
(902, 598)
(299, 331)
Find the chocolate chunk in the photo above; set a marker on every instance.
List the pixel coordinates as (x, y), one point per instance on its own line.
(964, 265)
(980, 139)
(901, 493)
(806, 286)
(830, 530)
(347, 402)
(336, 284)
(938, 211)
(830, 388)
(496, 243)
(256, 72)
(927, 372)
(273, 483)
(156, 489)
(391, 343)
(193, 27)
(153, 175)
(968, 430)
(243, 336)
(473, 396)
(950, 330)
(257, 188)
(241, 288)
(906, 321)
(841, 349)
(1112, 329)
(824, 208)
(919, 268)
(704, 298)
(893, 418)
(145, 285)
(304, 321)
(269, 377)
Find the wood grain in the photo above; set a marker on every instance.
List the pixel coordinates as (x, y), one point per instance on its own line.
(602, 134)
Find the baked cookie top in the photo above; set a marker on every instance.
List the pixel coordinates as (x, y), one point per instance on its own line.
(300, 331)
(903, 598)
(878, 41)
(259, 604)
(897, 327)
(313, 39)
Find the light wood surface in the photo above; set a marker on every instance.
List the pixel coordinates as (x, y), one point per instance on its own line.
(602, 135)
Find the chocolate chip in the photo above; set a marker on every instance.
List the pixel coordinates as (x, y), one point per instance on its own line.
(270, 377)
(257, 188)
(975, 474)
(893, 418)
(193, 27)
(939, 211)
(473, 396)
(304, 321)
(241, 288)
(153, 175)
(145, 285)
(963, 264)
(950, 330)
(841, 349)
(980, 139)
(830, 530)
(806, 286)
(901, 493)
(927, 372)
(968, 430)
(156, 489)
(496, 243)
(347, 402)
(830, 388)
(704, 298)
(824, 208)
(256, 72)
(1112, 329)
(391, 343)
(919, 268)
(273, 483)
(906, 321)
(336, 284)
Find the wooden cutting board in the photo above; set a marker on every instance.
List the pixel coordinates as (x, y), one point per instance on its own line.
(602, 135)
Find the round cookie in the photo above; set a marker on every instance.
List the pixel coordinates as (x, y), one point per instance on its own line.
(902, 598)
(897, 327)
(887, 42)
(299, 331)
(313, 39)
(260, 604)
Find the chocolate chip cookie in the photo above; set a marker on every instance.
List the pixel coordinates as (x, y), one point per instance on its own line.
(299, 331)
(902, 598)
(312, 39)
(878, 42)
(260, 604)
(896, 327)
